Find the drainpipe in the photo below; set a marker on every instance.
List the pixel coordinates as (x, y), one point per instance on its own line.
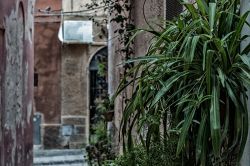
(245, 6)
(111, 74)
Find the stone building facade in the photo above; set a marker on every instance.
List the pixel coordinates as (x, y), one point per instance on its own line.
(76, 60)
(16, 78)
(62, 74)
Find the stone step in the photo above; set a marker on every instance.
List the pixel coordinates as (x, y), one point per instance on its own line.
(64, 157)
(61, 165)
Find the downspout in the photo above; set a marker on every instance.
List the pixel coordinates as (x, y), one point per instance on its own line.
(111, 74)
(245, 6)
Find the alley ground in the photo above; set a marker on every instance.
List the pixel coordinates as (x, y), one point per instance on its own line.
(69, 157)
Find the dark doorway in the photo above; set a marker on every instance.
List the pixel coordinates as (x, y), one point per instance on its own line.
(98, 85)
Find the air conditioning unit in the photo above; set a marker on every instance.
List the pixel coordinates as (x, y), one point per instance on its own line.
(76, 32)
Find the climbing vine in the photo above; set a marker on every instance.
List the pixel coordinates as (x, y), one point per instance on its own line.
(120, 12)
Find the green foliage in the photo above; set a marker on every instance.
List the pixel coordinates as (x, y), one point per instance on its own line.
(104, 105)
(120, 14)
(159, 154)
(100, 130)
(99, 149)
(101, 69)
(192, 82)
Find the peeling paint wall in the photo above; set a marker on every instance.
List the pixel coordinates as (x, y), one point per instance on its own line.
(47, 91)
(16, 26)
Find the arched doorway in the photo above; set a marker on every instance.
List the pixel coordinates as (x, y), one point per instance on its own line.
(98, 89)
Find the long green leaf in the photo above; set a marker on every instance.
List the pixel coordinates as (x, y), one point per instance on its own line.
(184, 131)
(202, 5)
(237, 34)
(195, 40)
(200, 137)
(192, 10)
(212, 13)
(215, 122)
(209, 58)
(167, 85)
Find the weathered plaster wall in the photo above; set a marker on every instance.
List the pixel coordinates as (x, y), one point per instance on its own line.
(245, 6)
(154, 13)
(16, 31)
(55, 5)
(47, 92)
(47, 66)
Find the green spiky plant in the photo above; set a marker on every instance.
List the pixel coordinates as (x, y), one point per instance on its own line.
(192, 82)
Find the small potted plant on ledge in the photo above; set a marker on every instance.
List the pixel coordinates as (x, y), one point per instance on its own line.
(105, 107)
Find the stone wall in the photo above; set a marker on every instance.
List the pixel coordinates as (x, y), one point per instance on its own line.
(75, 74)
(74, 93)
(16, 78)
(75, 90)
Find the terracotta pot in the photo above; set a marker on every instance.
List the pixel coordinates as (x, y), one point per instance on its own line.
(108, 115)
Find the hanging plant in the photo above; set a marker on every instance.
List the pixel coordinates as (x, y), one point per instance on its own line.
(192, 82)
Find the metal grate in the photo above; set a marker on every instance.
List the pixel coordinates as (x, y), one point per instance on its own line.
(173, 8)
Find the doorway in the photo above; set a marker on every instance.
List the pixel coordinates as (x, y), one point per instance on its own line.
(98, 90)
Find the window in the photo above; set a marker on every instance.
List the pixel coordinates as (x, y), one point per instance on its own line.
(35, 79)
(173, 8)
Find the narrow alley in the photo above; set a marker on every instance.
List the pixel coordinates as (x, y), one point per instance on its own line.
(124, 82)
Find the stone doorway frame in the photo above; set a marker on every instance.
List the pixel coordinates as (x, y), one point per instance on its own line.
(88, 88)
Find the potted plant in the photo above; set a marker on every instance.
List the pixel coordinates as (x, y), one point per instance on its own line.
(192, 83)
(108, 115)
(105, 107)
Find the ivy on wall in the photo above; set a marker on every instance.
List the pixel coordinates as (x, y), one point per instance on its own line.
(120, 12)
